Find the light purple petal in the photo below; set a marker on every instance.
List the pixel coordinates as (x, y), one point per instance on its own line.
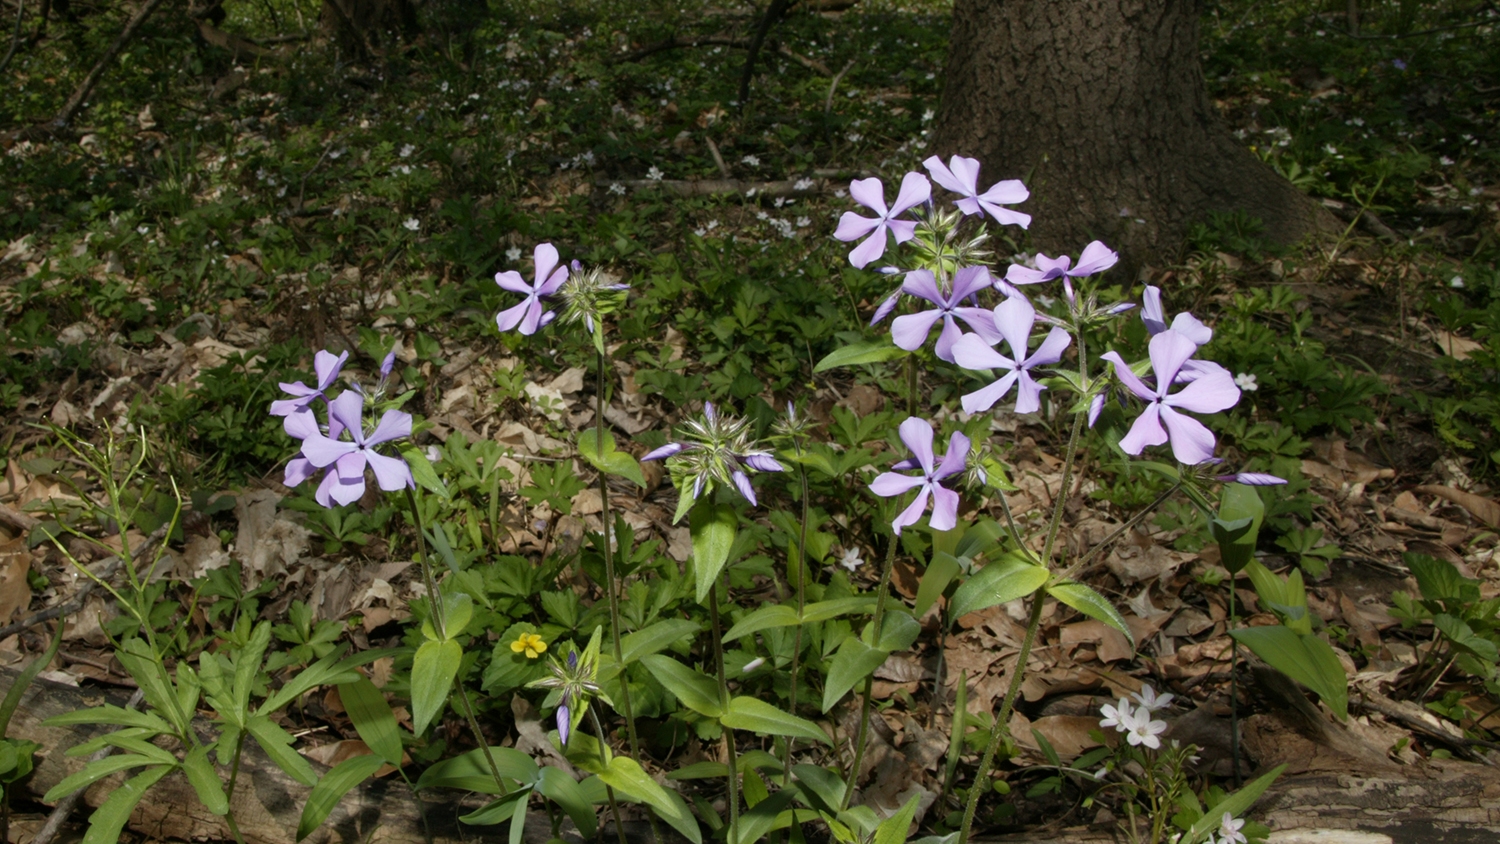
(564, 724)
(923, 285)
(394, 424)
(1051, 349)
(1151, 311)
(909, 331)
(943, 348)
(1005, 216)
(1254, 479)
(532, 320)
(742, 482)
(763, 463)
(1209, 393)
(298, 389)
(972, 352)
(982, 320)
(391, 473)
(301, 425)
(1014, 319)
(917, 434)
(327, 367)
(915, 189)
(1127, 376)
(870, 193)
(352, 464)
(1168, 352)
(1008, 192)
(1192, 442)
(1022, 274)
(944, 509)
(349, 410)
(869, 250)
(321, 451)
(1028, 393)
(544, 256)
(1188, 325)
(708, 411)
(1096, 258)
(324, 495)
(553, 282)
(347, 489)
(903, 230)
(983, 399)
(665, 451)
(298, 469)
(1096, 406)
(512, 281)
(886, 307)
(1053, 267)
(853, 227)
(913, 512)
(288, 407)
(890, 484)
(954, 460)
(950, 179)
(1147, 430)
(969, 205)
(511, 317)
(969, 281)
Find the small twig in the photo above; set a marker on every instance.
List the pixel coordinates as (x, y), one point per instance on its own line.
(15, 39)
(70, 108)
(65, 806)
(718, 159)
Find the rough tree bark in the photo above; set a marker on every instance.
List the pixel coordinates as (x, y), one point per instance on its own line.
(1100, 106)
(366, 27)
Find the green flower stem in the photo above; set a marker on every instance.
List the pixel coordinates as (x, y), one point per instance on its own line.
(609, 791)
(786, 763)
(435, 603)
(864, 709)
(609, 567)
(1234, 693)
(729, 754)
(1001, 728)
(911, 384)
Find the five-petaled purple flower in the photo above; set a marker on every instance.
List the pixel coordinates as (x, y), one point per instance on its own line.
(1096, 258)
(1013, 320)
(1211, 391)
(915, 189)
(917, 434)
(346, 460)
(961, 175)
(910, 331)
(327, 367)
(528, 315)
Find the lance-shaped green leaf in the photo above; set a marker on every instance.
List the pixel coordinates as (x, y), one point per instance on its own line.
(940, 572)
(625, 776)
(432, 672)
(1000, 582)
(372, 718)
(713, 528)
(893, 829)
(1089, 602)
(854, 661)
(471, 771)
(95, 771)
(277, 743)
(606, 459)
(205, 780)
(757, 716)
(422, 471)
(557, 786)
(824, 610)
(697, 691)
(1304, 658)
(107, 821)
(655, 638)
(869, 351)
(110, 714)
(1235, 804)
(781, 615)
(332, 788)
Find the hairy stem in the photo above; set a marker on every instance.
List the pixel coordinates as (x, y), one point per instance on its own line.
(864, 708)
(729, 754)
(609, 791)
(611, 583)
(786, 764)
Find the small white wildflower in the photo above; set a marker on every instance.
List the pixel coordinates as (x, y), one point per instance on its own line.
(142, 229)
(1475, 191)
(1121, 718)
(928, 115)
(780, 201)
(407, 150)
(1143, 730)
(804, 222)
(1229, 830)
(851, 559)
(1147, 696)
(854, 137)
(654, 174)
(1445, 161)
(617, 188)
(712, 224)
(807, 184)
(1457, 282)
(434, 454)
(405, 169)
(1246, 381)
(335, 154)
(840, 193)
(1046, 301)
(751, 160)
(1330, 149)
(753, 664)
(513, 254)
(412, 224)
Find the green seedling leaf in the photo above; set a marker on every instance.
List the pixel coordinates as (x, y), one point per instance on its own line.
(655, 638)
(1000, 582)
(757, 716)
(557, 786)
(495, 811)
(940, 572)
(471, 771)
(854, 661)
(432, 672)
(332, 788)
(518, 818)
(1089, 602)
(1237, 538)
(823, 788)
(696, 690)
(713, 528)
(277, 743)
(771, 615)
(1304, 658)
(871, 351)
(110, 818)
(625, 776)
(1235, 804)
(762, 817)
(1439, 580)
(372, 719)
(205, 780)
(898, 631)
(893, 829)
(423, 473)
(606, 459)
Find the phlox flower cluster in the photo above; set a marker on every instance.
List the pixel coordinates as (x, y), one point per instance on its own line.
(716, 450)
(587, 295)
(343, 446)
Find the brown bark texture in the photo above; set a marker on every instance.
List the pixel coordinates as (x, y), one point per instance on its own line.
(366, 27)
(1100, 106)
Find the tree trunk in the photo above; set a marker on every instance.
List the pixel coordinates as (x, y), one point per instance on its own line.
(1100, 106)
(367, 27)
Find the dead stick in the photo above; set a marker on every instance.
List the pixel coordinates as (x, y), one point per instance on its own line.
(65, 116)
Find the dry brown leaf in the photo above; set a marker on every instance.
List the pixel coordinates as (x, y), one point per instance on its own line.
(1485, 509)
(15, 591)
(1454, 346)
(1068, 734)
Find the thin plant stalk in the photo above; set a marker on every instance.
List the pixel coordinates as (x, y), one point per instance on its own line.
(1234, 694)
(609, 567)
(786, 764)
(729, 754)
(864, 709)
(609, 791)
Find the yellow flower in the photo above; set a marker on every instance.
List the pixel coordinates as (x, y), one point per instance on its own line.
(531, 643)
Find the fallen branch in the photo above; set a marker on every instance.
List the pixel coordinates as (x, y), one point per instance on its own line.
(70, 108)
(678, 42)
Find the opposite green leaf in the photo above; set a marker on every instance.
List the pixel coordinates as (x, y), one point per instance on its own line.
(713, 528)
(748, 713)
(771, 615)
(940, 572)
(332, 788)
(471, 771)
(205, 780)
(655, 638)
(1000, 582)
(1237, 541)
(432, 673)
(696, 690)
(1304, 658)
(1089, 602)
(854, 661)
(277, 743)
(557, 786)
(372, 718)
(607, 459)
(893, 830)
(109, 819)
(625, 776)
(871, 351)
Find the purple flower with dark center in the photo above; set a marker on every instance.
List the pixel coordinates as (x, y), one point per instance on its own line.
(961, 176)
(1013, 320)
(1096, 258)
(717, 449)
(917, 435)
(528, 315)
(345, 481)
(1212, 391)
(327, 367)
(915, 189)
(910, 331)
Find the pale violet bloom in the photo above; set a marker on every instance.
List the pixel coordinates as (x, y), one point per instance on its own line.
(347, 460)
(1184, 323)
(1245, 381)
(1229, 830)
(851, 559)
(1013, 320)
(910, 331)
(961, 175)
(326, 366)
(1144, 731)
(550, 275)
(915, 189)
(917, 435)
(1096, 258)
(1211, 391)
(1121, 718)
(1150, 701)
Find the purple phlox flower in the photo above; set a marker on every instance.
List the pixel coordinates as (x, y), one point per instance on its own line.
(1251, 479)
(326, 366)
(1212, 391)
(917, 435)
(961, 175)
(910, 331)
(345, 482)
(388, 364)
(1013, 320)
(564, 714)
(1150, 700)
(718, 449)
(1184, 323)
(1096, 258)
(915, 189)
(529, 315)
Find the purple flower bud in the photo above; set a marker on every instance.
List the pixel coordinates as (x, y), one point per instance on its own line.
(1251, 479)
(564, 723)
(387, 364)
(572, 660)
